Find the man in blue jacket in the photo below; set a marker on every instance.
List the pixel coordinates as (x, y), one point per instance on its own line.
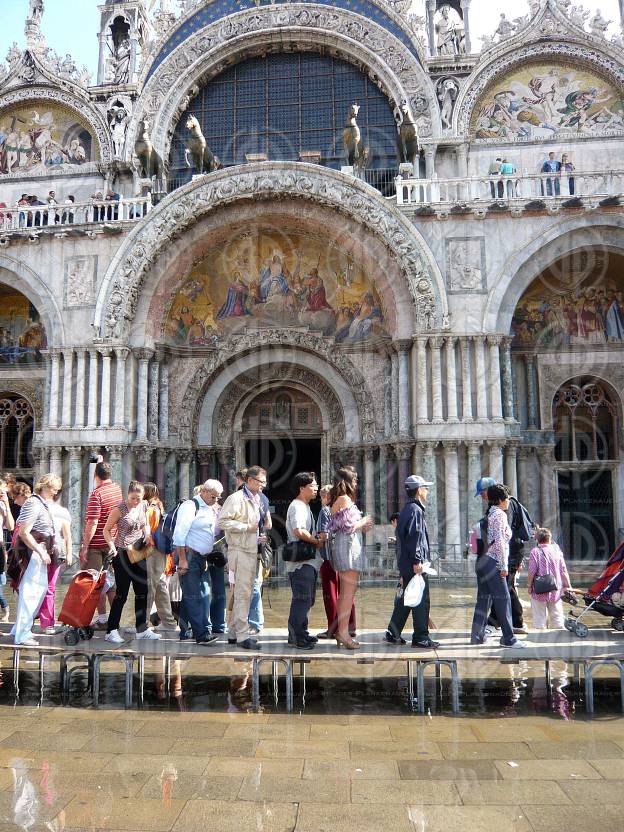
(412, 551)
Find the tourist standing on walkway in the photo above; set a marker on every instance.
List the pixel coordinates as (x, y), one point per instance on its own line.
(521, 530)
(346, 526)
(547, 559)
(63, 540)
(7, 524)
(302, 574)
(36, 532)
(129, 518)
(93, 547)
(492, 569)
(157, 586)
(256, 610)
(412, 539)
(240, 520)
(330, 581)
(193, 540)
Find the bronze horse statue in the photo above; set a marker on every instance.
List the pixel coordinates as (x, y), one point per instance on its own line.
(150, 163)
(203, 159)
(352, 137)
(408, 136)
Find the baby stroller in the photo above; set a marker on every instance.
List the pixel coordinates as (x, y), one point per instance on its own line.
(600, 596)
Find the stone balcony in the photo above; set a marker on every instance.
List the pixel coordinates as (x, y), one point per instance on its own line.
(479, 194)
(80, 217)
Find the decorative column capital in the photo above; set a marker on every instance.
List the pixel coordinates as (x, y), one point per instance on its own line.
(161, 353)
(436, 341)
(122, 353)
(474, 447)
(52, 353)
(428, 447)
(224, 454)
(420, 340)
(143, 452)
(546, 454)
(105, 352)
(369, 454)
(450, 341)
(162, 454)
(506, 341)
(144, 354)
(116, 451)
(75, 452)
(524, 452)
(185, 455)
(495, 340)
(495, 444)
(403, 451)
(450, 446)
(205, 456)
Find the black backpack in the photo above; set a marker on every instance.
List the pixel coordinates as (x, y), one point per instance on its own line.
(522, 527)
(163, 536)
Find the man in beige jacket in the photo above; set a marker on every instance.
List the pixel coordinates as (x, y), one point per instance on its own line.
(239, 519)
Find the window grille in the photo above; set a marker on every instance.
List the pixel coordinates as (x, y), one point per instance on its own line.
(585, 423)
(16, 433)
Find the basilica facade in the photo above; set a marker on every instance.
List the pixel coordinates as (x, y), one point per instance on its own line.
(304, 234)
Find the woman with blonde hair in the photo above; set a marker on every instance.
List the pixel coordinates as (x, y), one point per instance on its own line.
(36, 533)
(157, 583)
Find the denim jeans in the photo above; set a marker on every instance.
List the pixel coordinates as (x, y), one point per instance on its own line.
(195, 609)
(491, 588)
(256, 612)
(217, 598)
(303, 585)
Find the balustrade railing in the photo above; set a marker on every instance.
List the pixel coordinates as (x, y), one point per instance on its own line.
(36, 217)
(543, 186)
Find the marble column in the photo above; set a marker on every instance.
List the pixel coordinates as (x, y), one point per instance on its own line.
(395, 393)
(391, 483)
(388, 399)
(451, 495)
(92, 399)
(529, 359)
(143, 356)
(153, 425)
(224, 455)
(56, 464)
(494, 342)
(431, 32)
(161, 461)
(121, 354)
(382, 483)
(68, 371)
(369, 481)
(74, 492)
(508, 402)
(430, 160)
(465, 7)
(163, 411)
(105, 408)
(511, 467)
(436, 378)
(39, 462)
(524, 474)
(171, 479)
(204, 460)
(403, 454)
(467, 413)
(429, 473)
(481, 378)
(79, 419)
(548, 497)
(115, 456)
(143, 459)
(475, 504)
(451, 379)
(404, 387)
(184, 474)
(421, 381)
(55, 380)
(496, 461)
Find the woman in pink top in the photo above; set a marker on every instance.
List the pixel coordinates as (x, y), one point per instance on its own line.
(547, 559)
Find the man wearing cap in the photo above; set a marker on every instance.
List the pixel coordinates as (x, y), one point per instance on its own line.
(412, 541)
(521, 528)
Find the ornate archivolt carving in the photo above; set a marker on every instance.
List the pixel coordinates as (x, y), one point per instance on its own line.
(231, 401)
(553, 376)
(187, 419)
(514, 54)
(389, 62)
(88, 111)
(122, 285)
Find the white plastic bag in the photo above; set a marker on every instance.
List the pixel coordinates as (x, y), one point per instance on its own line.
(414, 592)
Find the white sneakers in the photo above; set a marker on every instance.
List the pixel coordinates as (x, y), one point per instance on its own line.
(114, 637)
(149, 635)
(28, 642)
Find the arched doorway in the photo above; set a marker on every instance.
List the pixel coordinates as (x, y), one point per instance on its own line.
(282, 430)
(585, 419)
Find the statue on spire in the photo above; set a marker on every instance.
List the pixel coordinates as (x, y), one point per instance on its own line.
(34, 37)
(35, 13)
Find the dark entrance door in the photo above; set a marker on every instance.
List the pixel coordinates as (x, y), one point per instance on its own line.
(283, 457)
(586, 505)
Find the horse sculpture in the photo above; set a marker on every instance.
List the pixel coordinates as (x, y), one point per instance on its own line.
(203, 159)
(408, 136)
(352, 137)
(150, 163)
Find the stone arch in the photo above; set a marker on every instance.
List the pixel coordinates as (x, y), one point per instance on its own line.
(30, 284)
(121, 288)
(392, 65)
(553, 378)
(76, 100)
(512, 55)
(301, 350)
(527, 263)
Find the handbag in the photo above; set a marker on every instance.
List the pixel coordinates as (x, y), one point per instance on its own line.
(543, 584)
(139, 550)
(297, 551)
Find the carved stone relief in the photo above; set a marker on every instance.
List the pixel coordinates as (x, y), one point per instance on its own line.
(80, 280)
(466, 265)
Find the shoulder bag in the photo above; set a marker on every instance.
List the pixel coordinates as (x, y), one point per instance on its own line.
(298, 551)
(543, 584)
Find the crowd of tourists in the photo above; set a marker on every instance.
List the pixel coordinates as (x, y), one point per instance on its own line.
(177, 562)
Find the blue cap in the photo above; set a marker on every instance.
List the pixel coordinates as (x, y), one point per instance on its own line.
(483, 484)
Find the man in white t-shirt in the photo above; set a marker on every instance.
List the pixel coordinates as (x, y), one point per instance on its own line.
(302, 575)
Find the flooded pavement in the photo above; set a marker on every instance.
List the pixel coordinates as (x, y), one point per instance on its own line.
(520, 757)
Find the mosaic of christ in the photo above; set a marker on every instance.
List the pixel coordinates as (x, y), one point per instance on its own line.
(267, 279)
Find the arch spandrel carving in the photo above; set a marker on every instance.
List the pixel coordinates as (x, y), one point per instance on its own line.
(389, 62)
(187, 419)
(121, 288)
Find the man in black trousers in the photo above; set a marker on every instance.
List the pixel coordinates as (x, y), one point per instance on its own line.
(412, 551)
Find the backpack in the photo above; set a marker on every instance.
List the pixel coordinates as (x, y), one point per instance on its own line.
(163, 536)
(478, 537)
(522, 526)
